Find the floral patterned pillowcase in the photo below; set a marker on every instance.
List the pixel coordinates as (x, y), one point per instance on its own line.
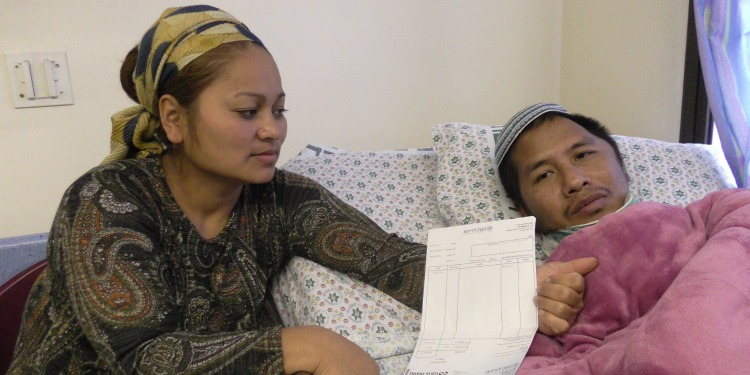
(396, 189)
(313, 150)
(469, 189)
(673, 173)
(306, 293)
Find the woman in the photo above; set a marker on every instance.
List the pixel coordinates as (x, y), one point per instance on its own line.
(160, 260)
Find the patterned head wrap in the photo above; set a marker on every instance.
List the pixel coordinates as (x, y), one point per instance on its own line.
(178, 37)
(518, 123)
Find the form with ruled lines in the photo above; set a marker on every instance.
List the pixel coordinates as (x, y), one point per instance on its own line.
(478, 314)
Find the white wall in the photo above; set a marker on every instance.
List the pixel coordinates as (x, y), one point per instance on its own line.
(623, 63)
(358, 75)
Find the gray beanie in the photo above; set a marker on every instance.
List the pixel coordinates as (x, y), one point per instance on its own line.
(518, 123)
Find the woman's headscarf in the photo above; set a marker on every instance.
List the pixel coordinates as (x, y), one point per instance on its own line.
(178, 37)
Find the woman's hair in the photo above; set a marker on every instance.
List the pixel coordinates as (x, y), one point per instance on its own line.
(191, 80)
(126, 73)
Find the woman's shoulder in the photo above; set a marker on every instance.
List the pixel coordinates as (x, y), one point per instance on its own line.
(126, 175)
(286, 185)
(293, 184)
(124, 168)
(282, 177)
(127, 192)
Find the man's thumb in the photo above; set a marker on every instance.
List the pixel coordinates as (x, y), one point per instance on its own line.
(580, 265)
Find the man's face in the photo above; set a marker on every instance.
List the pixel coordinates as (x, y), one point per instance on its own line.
(566, 175)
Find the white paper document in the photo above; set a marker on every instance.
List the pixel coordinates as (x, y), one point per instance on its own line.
(478, 313)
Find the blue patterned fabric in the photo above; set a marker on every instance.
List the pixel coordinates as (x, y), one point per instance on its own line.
(723, 31)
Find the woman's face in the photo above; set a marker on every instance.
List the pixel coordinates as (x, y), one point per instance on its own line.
(237, 124)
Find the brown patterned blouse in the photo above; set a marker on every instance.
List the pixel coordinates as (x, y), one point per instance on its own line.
(132, 287)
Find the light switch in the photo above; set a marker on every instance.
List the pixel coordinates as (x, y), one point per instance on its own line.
(39, 79)
(51, 76)
(23, 71)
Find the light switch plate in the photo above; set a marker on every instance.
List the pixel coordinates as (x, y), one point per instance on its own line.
(39, 79)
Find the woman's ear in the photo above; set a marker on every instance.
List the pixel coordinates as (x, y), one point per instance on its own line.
(173, 119)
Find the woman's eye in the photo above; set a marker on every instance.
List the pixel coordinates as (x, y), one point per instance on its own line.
(279, 113)
(248, 113)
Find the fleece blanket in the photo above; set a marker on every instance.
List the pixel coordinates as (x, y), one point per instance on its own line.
(671, 293)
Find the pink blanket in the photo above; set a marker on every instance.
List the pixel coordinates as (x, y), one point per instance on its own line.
(671, 293)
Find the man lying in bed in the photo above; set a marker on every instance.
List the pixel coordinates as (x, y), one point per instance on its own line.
(671, 292)
(563, 168)
(567, 171)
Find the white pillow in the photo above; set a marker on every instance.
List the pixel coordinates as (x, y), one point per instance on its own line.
(468, 187)
(395, 188)
(313, 150)
(307, 293)
(673, 173)
(470, 191)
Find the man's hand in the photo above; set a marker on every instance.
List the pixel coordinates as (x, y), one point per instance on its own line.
(560, 287)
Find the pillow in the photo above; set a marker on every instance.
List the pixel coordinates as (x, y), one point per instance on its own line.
(313, 150)
(307, 293)
(468, 187)
(673, 173)
(470, 191)
(395, 188)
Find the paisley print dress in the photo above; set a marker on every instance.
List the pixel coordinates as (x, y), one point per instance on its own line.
(131, 287)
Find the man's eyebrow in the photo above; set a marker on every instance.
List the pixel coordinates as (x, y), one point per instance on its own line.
(581, 143)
